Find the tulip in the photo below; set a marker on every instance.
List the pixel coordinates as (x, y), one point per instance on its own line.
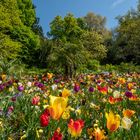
(20, 88)
(126, 123)
(121, 80)
(134, 98)
(57, 106)
(130, 86)
(91, 89)
(75, 127)
(54, 87)
(128, 94)
(103, 90)
(116, 94)
(113, 121)
(66, 115)
(57, 135)
(76, 87)
(29, 84)
(112, 100)
(3, 76)
(128, 113)
(35, 100)
(65, 93)
(49, 75)
(45, 118)
(99, 134)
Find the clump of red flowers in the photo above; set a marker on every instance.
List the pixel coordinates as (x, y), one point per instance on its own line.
(45, 118)
(57, 135)
(35, 100)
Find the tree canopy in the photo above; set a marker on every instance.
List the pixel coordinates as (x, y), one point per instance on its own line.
(71, 43)
(17, 36)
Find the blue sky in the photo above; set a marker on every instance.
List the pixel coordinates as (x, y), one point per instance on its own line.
(46, 10)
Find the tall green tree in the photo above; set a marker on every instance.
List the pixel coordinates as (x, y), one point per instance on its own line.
(9, 18)
(73, 43)
(94, 22)
(128, 37)
(17, 19)
(94, 44)
(68, 50)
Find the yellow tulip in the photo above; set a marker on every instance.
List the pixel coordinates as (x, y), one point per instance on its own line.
(66, 115)
(3, 76)
(57, 106)
(130, 86)
(126, 123)
(113, 121)
(65, 93)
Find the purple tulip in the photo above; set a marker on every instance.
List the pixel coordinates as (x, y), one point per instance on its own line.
(128, 94)
(20, 88)
(1, 87)
(91, 89)
(36, 83)
(40, 85)
(56, 80)
(76, 88)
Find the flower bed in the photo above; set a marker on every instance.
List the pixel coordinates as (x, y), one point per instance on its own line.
(91, 106)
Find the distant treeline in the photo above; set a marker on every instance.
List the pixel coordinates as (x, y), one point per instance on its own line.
(71, 43)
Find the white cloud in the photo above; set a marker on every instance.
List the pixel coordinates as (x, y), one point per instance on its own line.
(116, 3)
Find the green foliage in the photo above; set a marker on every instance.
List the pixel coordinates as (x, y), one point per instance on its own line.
(9, 18)
(30, 42)
(9, 49)
(27, 12)
(127, 41)
(93, 42)
(66, 29)
(68, 51)
(94, 22)
(93, 65)
(17, 38)
(5, 66)
(11, 67)
(72, 44)
(128, 67)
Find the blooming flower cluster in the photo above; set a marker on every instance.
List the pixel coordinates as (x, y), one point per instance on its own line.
(90, 106)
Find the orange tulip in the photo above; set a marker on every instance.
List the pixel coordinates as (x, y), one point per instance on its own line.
(121, 80)
(128, 113)
(99, 134)
(134, 98)
(75, 127)
(49, 75)
(57, 106)
(112, 100)
(113, 121)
